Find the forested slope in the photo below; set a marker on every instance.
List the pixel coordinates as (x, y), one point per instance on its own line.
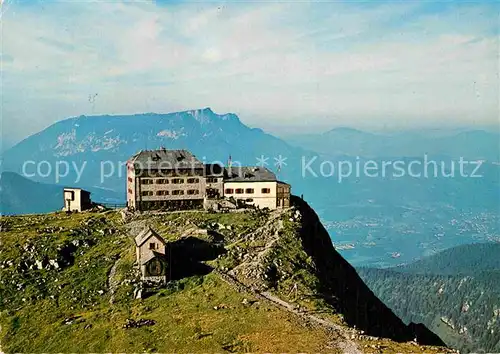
(456, 294)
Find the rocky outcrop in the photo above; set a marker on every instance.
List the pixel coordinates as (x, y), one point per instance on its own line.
(342, 287)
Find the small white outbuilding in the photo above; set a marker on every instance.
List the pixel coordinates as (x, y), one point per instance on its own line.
(76, 199)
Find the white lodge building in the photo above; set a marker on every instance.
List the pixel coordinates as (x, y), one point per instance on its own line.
(176, 179)
(256, 186)
(172, 179)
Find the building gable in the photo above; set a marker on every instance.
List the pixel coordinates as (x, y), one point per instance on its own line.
(148, 234)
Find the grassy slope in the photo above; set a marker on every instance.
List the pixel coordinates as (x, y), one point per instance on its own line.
(36, 303)
(185, 321)
(185, 315)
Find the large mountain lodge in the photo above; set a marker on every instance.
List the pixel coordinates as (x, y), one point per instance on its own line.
(177, 180)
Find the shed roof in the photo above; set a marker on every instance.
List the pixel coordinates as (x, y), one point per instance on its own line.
(145, 235)
(71, 189)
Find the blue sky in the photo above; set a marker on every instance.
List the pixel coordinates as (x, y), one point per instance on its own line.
(282, 66)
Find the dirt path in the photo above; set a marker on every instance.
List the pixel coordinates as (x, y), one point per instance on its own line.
(112, 282)
(345, 344)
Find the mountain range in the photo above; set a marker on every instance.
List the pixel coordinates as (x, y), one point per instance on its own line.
(19, 195)
(470, 144)
(381, 220)
(109, 141)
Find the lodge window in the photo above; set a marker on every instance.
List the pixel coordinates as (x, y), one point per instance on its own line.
(192, 180)
(152, 246)
(165, 172)
(249, 191)
(162, 193)
(162, 181)
(229, 191)
(266, 190)
(177, 180)
(146, 181)
(193, 191)
(130, 191)
(147, 193)
(177, 192)
(239, 190)
(211, 180)
(130, 179)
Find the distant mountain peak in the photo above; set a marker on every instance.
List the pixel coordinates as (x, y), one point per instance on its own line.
(203, 116)
(207, 115)
(345, 130)
(206, 110)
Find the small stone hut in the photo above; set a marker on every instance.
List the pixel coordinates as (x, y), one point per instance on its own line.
(151, 256)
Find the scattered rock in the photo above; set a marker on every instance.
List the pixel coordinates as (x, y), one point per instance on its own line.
(39, 264)
(130, 323)
(70, 320)
(54, 263)
(220, 307)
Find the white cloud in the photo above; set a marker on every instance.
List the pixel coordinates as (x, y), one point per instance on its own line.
(274, 62)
